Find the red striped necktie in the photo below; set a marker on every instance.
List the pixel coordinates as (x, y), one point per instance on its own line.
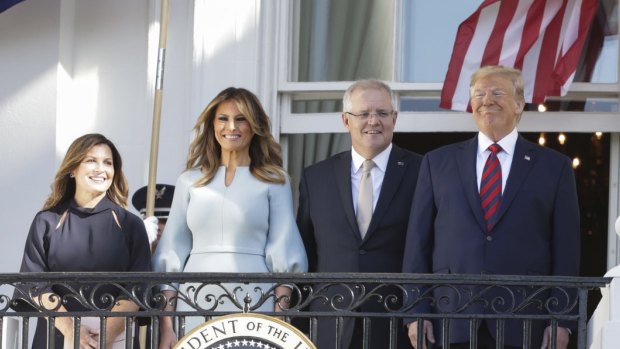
(491, 186)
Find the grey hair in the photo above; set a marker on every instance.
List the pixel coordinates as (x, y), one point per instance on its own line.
(366, 84)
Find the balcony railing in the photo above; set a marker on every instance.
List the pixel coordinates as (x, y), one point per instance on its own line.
(341, 296)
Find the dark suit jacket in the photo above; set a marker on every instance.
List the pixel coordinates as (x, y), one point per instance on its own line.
(537, 231)
(327, 223)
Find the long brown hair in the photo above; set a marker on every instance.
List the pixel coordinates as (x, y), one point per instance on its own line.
(265, 156)
(63, 187)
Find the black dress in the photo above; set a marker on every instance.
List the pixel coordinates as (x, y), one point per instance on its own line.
(89, 240)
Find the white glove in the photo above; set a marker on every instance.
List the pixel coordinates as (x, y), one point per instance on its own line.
(152, 228)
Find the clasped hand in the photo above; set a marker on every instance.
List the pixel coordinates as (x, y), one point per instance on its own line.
(89, 338)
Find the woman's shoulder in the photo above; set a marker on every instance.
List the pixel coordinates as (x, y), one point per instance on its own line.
(273, 176)
(46, 220)
(123, 214)
(45, 216)
(52, 212)
(189, 176)
(129, 216)
(279, 186)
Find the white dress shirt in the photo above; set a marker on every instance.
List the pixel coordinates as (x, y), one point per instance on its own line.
(377, 173)
(507, 143)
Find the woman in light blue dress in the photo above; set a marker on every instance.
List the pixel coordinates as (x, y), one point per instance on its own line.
(232, 211)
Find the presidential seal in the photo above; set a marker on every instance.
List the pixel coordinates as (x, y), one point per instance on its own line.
(245, 331)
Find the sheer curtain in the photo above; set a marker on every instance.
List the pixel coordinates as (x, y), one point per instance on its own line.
(339, 40)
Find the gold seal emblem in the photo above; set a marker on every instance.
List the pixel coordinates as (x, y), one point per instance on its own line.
(241, 331)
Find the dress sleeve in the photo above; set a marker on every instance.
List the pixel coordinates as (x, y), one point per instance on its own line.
(35, 251)
(176, 240)
(34, 261)
(140, 252)
(285, 250)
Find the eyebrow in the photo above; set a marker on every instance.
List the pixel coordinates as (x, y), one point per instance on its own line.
(224, 114)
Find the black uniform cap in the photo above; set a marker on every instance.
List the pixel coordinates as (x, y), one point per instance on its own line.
(163, 200)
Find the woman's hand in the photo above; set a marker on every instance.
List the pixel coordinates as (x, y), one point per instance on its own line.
(167, 337)
(89, 338)
(283, 298)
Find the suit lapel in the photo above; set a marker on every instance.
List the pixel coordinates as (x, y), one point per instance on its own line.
(522, 161)
(466, 162)
(342, 168)
(396, 168)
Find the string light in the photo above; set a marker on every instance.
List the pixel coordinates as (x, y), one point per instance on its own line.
(541, 139)
(562, 138)
(576, 162)
(598, 135)
(542, 108)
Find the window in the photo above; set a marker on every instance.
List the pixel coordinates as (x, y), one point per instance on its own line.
(325, 45)
(328, 44)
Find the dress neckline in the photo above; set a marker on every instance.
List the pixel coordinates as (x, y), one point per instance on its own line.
(238, 169)
(104, 204)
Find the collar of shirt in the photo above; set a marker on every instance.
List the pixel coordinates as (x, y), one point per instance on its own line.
(507, 143)
(380, 160)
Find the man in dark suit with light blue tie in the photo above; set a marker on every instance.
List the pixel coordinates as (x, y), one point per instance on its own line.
(347, 228)
(495, 204)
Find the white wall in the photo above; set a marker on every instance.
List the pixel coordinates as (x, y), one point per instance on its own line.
(29, 37)
(71, 67)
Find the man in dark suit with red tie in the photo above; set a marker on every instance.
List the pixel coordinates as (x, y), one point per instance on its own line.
(495, 204)
(353, 212)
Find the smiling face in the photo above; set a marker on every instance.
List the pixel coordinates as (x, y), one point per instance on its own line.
(94, 175)
(232, 129)
(373, 134)
(495, 107)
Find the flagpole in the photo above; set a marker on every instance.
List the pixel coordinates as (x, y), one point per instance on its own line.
(159, 85)
(159, 82)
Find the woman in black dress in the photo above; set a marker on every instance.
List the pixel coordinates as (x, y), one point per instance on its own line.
(84, 227)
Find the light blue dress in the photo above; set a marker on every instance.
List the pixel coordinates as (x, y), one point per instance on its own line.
(248, 226)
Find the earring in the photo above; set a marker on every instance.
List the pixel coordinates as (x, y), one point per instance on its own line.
(71, 175)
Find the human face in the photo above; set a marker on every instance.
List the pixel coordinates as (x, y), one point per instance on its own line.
(232, 129)
(371, 135)
(495, 108)
(94, 175)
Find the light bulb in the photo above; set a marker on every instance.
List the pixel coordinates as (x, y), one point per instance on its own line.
(541, 139)
(562, 138)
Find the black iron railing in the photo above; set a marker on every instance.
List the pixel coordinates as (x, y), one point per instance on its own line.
(341, 296)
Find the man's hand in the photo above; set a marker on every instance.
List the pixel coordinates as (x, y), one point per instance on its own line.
(428, 333)
(561, 341)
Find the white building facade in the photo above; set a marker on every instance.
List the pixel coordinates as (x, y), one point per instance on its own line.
(71, 67)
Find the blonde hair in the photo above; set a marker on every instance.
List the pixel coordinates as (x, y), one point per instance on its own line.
(265, 155)
(63, 187)
(513, 74)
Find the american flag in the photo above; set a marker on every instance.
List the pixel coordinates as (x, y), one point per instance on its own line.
(542, 38)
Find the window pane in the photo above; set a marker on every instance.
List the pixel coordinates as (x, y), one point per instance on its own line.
(599, 58)
(344, 40)
(317, 106)
(426, 55)
(429, 28)
(601, 105)
(419, 104)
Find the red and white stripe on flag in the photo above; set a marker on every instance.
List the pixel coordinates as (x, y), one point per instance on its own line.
(542, 38)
